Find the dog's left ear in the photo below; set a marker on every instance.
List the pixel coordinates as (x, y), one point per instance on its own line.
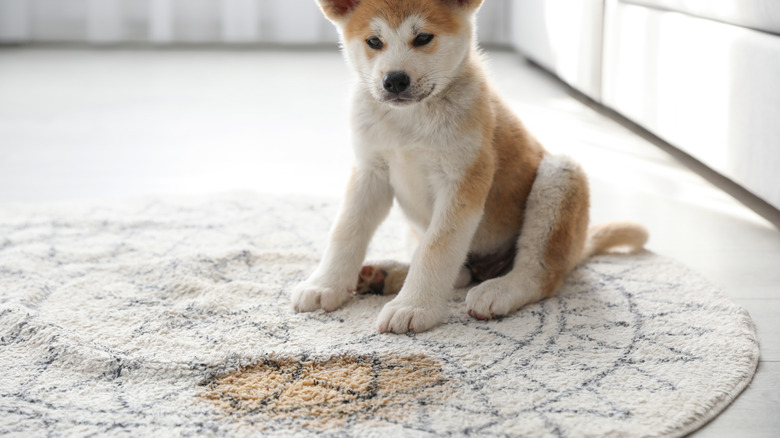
(337, 10)
(470, 4)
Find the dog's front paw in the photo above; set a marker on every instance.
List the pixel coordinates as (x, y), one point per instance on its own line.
(497, 297)
(308, 297)
(402, 316)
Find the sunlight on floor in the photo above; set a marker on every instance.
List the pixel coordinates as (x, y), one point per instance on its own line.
(616, 157)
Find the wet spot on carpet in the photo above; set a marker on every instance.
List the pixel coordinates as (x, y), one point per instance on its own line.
(327, 393)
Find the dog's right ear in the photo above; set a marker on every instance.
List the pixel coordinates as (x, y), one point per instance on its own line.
(337, 10)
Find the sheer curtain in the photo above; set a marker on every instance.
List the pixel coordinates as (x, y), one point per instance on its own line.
(189, 21)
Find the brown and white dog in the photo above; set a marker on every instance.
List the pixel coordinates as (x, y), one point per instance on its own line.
(487, 204)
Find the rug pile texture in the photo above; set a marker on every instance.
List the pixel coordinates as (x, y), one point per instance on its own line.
(161, 317)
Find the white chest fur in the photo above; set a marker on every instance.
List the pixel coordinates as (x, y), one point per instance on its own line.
(422, 150)
(412, 189)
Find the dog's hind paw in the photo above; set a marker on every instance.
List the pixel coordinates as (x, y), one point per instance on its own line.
(308, 298)
(382, 278)
(371, 280)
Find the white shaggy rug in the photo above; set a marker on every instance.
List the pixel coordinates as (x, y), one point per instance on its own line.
(162, 317)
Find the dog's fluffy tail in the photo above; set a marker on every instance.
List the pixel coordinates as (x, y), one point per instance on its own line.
(611, 235)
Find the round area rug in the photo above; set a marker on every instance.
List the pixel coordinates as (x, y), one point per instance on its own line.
(171, 317)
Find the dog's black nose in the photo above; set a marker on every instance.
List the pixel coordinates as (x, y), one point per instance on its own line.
(397, 82)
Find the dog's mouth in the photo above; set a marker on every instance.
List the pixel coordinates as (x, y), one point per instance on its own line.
(405, 99)
(400, 100)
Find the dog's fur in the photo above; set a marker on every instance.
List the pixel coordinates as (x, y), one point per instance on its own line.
(485, 201)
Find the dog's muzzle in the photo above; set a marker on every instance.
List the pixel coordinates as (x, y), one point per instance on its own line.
(398, 90)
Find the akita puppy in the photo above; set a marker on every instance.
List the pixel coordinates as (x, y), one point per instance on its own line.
(488, 205)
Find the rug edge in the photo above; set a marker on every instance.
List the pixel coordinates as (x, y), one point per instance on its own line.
(717, 409)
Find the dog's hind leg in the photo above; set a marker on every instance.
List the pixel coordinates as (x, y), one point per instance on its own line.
(550, 243)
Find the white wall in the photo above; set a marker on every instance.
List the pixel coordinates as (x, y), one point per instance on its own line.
(709, 89)
(189, 21)
(563, 36)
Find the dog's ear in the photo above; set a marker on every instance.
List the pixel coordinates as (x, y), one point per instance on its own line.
(337, 10)
(470, 4)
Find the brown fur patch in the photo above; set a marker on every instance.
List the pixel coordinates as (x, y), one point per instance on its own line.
(475, 186)
(325, 394)
(440, 18)
(564, 248)
(518, 155)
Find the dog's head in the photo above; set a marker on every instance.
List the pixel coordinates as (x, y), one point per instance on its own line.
(404, 51)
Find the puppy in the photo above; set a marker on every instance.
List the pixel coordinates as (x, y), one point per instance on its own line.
(488, 205)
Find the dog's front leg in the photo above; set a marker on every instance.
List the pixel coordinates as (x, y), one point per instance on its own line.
(367, 202)
(422, 302)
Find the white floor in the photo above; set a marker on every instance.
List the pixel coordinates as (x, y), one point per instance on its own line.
(87, 124)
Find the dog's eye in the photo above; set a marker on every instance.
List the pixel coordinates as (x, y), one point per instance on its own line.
(422, 39)
(375, 43)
